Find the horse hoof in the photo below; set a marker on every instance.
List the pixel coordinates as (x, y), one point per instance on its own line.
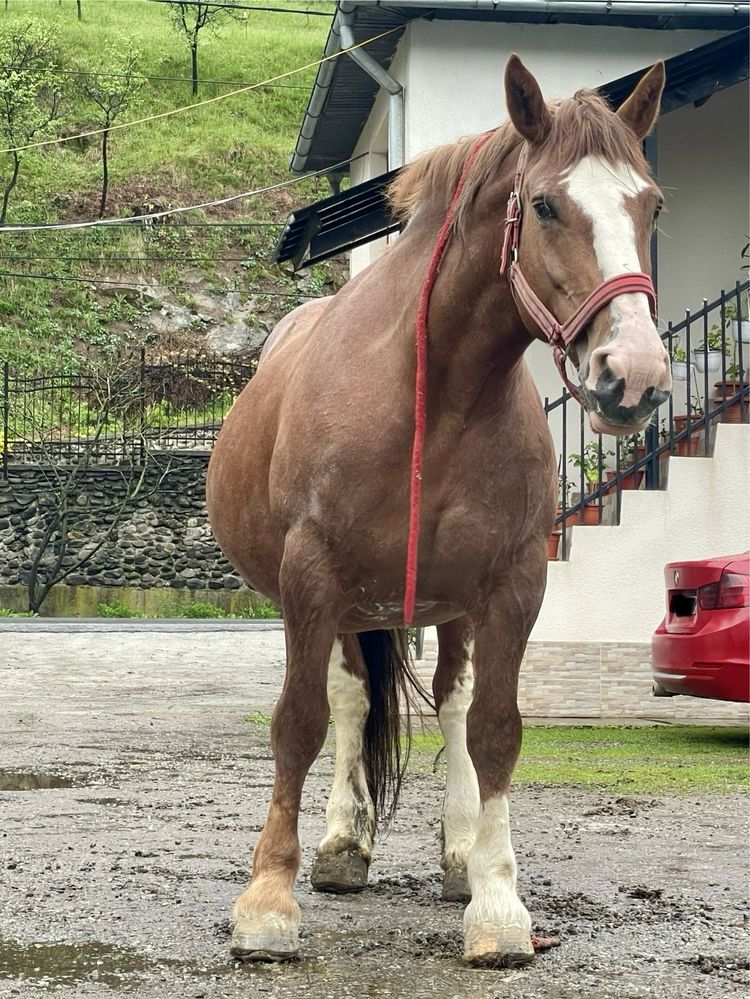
(456, 885)
(496, 947)
(339, 872)
(264, 943)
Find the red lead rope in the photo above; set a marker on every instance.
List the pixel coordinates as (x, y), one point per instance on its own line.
(420, 392)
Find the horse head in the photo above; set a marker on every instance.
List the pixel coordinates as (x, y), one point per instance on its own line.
(589, 207)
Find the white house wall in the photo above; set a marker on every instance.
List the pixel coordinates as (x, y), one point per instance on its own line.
(703, 166)
(454, 84)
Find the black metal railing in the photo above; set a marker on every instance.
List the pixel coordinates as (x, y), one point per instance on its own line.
(713, 344)
(115, 409)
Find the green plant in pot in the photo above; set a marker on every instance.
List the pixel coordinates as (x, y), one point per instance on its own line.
(679, 360)
(707, 355)
(591, 459)
(740, 325)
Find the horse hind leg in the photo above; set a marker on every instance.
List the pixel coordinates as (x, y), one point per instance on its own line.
(266, 915)
(343, 857)
(453, 685)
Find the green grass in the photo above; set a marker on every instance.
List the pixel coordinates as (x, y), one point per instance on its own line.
(640, 760)
(199, 609)
(221, 148)
(198, 155)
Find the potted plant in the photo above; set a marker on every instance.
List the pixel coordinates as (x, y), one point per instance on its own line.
(741, 325)
(680, 366)
(563, 493)
(591, 460)
(707, 355)
(630, 449)
(731, 388)
(688, 445)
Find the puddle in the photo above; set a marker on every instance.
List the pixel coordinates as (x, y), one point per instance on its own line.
(63, 963)
(12, 780)
(60, 964)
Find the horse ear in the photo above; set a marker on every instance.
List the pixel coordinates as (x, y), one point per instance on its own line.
(526, 106)
(641, 109)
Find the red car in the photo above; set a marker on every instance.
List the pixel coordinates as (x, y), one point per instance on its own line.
(702, 647)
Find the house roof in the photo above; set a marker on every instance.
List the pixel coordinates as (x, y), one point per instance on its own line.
(359, 214)
(343, 95)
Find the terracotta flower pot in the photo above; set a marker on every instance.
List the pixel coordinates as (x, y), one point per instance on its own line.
(629, 480)
(553, 545)
(589, 516)
(733, 413)
(688, 445)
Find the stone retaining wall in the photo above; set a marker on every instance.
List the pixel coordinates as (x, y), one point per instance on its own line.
(161, 540)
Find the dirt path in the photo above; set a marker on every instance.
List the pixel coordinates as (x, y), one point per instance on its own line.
(121, 881)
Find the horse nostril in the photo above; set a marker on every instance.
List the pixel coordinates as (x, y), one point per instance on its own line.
(655, 396)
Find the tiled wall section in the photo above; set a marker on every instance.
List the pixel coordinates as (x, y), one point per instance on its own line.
(607, 680)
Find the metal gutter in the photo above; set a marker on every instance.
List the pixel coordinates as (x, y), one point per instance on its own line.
(317, 99)
(654, 8)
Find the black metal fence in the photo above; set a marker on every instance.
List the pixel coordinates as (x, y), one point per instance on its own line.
(710, 352)
(115, 409)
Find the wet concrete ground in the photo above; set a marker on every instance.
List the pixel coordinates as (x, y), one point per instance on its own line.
(142, 788)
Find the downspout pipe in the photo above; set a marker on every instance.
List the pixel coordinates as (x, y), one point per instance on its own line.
(340, 37)
(374, 70)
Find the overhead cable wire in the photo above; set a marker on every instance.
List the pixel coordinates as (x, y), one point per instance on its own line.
(168, 79)
(198, 104)
(241, 6)
(44, 227)
(103, 223)
(125, 284)
(106, 260)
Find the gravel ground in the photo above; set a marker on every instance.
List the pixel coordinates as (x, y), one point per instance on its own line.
(120, 880)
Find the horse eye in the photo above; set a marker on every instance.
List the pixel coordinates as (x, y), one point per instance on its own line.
(657, 211)
(544, 211)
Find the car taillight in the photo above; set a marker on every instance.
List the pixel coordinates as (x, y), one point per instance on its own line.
(732, 590)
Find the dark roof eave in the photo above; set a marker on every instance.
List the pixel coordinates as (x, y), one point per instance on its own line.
(331, 135)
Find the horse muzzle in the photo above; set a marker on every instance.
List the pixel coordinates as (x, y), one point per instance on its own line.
(622, 386)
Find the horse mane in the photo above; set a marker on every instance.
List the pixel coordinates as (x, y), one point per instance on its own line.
(582, 125)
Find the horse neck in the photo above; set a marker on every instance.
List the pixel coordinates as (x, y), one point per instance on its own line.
(475, 336)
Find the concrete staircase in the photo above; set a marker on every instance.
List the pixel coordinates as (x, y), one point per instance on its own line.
(589, 652)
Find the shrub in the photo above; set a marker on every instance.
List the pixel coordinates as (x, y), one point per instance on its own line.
(117, 609)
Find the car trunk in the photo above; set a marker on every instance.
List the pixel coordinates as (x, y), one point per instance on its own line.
(682, 581)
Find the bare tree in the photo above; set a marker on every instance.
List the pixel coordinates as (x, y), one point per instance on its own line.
(111, 96)
(70, 525)
(191, 17)
(29, 93)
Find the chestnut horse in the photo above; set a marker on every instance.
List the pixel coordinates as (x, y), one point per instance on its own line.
(308, 486)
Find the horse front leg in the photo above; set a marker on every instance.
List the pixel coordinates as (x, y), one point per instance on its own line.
(497, 927)
(344, 854)
(452, 686)
(266, 915)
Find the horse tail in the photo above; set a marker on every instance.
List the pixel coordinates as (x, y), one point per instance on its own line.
(393, 686)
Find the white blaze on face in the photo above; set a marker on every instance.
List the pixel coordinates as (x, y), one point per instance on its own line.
(635, 353)
(600, 190)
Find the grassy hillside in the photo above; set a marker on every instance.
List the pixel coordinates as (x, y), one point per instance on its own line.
(201, 154)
